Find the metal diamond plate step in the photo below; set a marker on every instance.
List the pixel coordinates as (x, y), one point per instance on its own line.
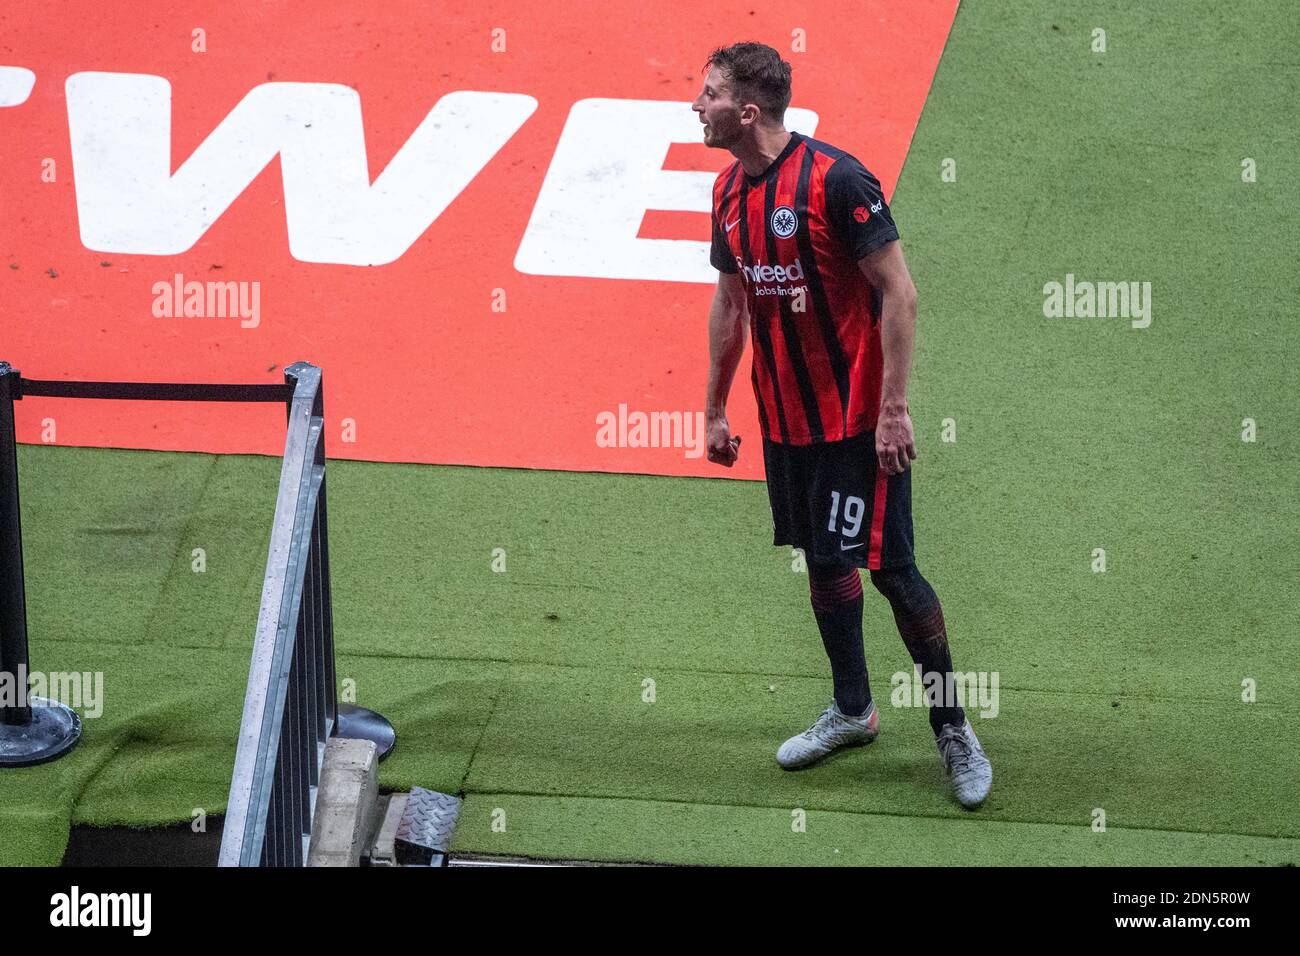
(424, 833)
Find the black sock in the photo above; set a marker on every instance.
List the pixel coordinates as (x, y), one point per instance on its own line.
(837, 605)
(919, 617)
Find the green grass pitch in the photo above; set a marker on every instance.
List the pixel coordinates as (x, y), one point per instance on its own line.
(1120, 691)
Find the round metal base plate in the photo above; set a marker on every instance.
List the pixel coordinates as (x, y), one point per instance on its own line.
(358, 723)
(54, 730)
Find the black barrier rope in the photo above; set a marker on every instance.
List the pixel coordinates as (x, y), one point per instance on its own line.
(34, 730)
(152, 391)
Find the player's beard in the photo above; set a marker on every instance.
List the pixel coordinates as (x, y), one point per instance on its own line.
(724, 130)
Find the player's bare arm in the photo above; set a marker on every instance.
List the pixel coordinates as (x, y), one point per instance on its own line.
(886, 270)
(728, 329)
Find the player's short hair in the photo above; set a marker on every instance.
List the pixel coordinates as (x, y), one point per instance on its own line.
(756, 74)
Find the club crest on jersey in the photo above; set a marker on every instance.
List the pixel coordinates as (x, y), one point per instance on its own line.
(784, 222)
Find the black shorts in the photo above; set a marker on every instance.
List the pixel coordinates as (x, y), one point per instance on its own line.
(831, 500)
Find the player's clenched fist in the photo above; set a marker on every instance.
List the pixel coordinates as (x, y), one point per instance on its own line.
(723, 448)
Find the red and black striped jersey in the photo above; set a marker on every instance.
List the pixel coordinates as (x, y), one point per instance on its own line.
(795, 233)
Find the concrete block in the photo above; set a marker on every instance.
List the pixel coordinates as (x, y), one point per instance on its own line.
(345, 800)
(384, 851)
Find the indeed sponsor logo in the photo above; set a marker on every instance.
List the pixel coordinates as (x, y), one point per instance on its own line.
(761, 273)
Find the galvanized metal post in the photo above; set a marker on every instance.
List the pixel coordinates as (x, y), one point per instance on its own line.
(353, 722)
(290, 708)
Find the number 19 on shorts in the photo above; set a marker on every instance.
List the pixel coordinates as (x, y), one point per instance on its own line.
(854, 509)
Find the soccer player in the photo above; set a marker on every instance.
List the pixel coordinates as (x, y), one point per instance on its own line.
(808, 257)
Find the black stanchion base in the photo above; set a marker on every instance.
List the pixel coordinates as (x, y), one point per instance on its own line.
(54, 730)
(358, 723)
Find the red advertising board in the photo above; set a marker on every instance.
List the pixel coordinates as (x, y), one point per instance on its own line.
(487, 222)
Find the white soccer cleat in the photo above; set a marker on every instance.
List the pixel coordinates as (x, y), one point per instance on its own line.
(963, 758)
(832, 731)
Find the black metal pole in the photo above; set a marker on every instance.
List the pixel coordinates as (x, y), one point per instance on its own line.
(32, 729)
(13, 599)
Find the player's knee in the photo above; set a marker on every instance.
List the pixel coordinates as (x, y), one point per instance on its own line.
(894, 583)
(904, 589)
(827, 572)
(833, 585)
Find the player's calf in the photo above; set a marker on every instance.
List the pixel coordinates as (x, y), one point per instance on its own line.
(919, 618)
(836, 593)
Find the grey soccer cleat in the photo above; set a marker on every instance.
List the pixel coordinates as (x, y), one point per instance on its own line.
(832, 730)
(963, 758)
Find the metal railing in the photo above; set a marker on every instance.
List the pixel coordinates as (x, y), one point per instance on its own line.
(291, 708)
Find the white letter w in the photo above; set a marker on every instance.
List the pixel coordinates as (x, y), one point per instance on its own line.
(128, 200)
